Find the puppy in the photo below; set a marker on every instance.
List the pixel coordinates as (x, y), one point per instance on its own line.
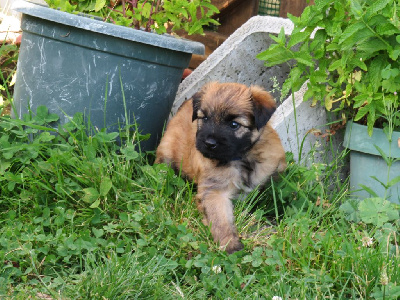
(221, 139)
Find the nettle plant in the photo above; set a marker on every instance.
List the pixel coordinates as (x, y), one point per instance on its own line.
(348, 50)
(160, 16)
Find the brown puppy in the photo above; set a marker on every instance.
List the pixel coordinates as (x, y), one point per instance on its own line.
(220, 139)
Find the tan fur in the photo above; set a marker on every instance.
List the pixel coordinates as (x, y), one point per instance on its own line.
(218, 184)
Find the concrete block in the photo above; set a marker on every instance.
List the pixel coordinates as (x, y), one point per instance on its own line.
(235, 61)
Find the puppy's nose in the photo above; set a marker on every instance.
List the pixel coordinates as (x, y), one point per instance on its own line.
(210, 143)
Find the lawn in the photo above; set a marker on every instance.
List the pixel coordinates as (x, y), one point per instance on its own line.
(85, 214)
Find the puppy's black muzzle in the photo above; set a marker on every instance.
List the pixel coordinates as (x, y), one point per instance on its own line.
(210, 143)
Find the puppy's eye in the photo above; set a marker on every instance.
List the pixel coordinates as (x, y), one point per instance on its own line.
(234, 125)
(204, 118)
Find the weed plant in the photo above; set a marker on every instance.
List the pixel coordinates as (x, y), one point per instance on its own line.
(8, 61)
(83, 216)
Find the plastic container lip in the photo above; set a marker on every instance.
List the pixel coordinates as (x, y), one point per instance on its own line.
(95, 25)
(362, 142)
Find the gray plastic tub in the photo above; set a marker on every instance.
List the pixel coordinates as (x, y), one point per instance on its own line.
(72, 63)
(366, 162)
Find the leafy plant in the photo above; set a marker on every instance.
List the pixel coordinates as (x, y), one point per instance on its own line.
(376, 211)
(159, 16)
(348, 52)
(57, 183)
(8, 62)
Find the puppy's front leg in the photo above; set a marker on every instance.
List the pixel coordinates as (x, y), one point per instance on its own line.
(218, 210)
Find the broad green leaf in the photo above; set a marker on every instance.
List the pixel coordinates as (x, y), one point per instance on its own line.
(333, 47)
(294, 81)
(124, 217)
(357, 38)
(105, 186)
(371, 46)
(66, 6)
(328, 102)
(375, 211)
(211, 7)
(389, 73)
(356, 62)
(319, 39)
(393, 214)
(361, 112)
(129, 152)
(275, 55)
(394, 181)
(43, 116)
(310, 17)
(91, 195)
(45, 137)
(106, 137)
(377, 19)
(4, 165)
(308, 94)
(196, 28)
(304, 58)
(99, 5)
(182, 11)
(350, 209)
(351, 31)
(377, 5)
(374, 72)
(257, 261)
(356, 8)
(321, 4)
(394, 54)
(247, 259)
(98, 232)
(95, 204)
(387, 29)
(280, 39)
(298, 37)
(90, 151)
(335, 65)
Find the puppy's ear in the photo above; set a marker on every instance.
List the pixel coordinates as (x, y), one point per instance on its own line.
(263, 106)
(196, 98)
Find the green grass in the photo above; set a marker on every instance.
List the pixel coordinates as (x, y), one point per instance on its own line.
(8, 61)
(85, 217)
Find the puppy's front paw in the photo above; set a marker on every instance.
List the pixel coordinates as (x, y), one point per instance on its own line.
(233, 246)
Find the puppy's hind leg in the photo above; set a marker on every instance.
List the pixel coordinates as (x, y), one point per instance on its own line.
(218, 210)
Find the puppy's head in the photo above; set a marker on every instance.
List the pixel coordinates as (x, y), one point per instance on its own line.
(230, 118)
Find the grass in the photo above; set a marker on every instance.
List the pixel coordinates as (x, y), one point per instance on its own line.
(83, 216)
(8, 60)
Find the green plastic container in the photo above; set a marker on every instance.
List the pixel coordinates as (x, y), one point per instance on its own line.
(72, 63)
(366, 161)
